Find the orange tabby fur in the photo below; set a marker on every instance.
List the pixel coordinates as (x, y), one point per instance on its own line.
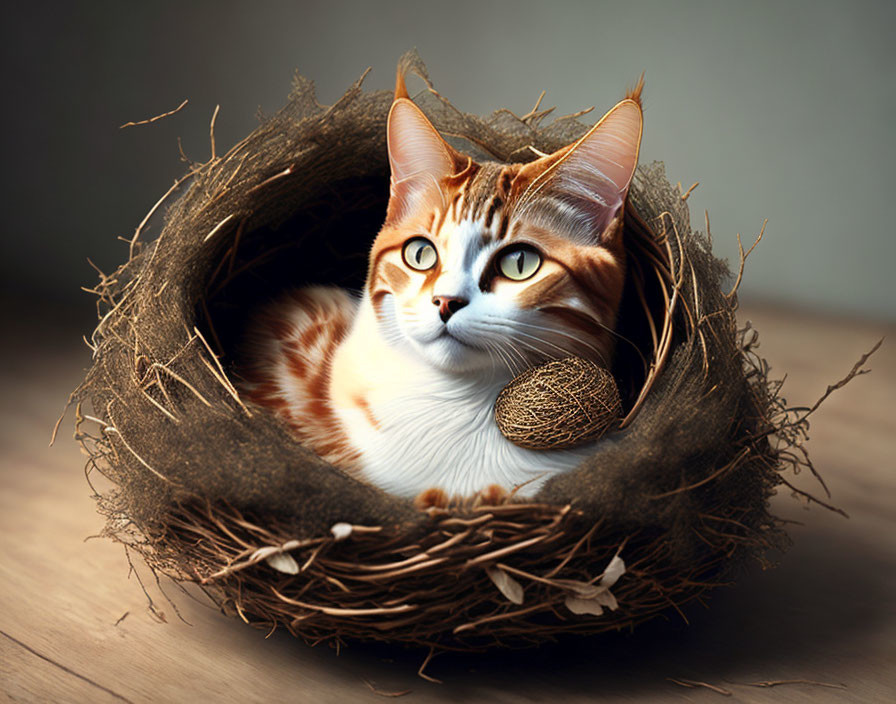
(289, 367)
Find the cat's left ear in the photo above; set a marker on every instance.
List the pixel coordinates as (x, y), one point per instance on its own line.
(593, 174)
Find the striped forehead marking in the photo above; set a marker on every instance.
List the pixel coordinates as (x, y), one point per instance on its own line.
(481, 200)
(481, 191)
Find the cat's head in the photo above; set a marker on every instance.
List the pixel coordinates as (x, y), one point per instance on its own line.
(484, 266)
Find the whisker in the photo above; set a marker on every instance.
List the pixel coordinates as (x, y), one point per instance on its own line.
(509, 361)
(494, 354)
(598, 354)
(526, 345)
(529, 346)
(599, 324)
(488, 339)
(519, 354)
(557, 331)
(552, 344)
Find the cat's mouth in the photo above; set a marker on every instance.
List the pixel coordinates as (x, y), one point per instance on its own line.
(446, 333)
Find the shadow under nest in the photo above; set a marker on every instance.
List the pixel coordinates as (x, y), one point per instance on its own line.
(211, 490)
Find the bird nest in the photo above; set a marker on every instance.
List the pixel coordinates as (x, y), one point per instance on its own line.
(210, 489)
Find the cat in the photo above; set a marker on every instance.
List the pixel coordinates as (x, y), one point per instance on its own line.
(479, 271)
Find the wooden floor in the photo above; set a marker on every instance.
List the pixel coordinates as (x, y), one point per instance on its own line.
(75, 627)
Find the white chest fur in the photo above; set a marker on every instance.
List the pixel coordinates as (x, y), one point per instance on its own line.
(418, 428)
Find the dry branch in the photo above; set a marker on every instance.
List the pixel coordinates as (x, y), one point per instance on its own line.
(156, 118)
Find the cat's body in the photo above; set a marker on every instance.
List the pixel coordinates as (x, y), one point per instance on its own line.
(480, 271)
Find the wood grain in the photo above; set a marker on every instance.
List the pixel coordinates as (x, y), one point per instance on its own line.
(826, 614)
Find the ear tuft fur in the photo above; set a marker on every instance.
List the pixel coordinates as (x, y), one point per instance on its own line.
(635, 93)
(401, 90)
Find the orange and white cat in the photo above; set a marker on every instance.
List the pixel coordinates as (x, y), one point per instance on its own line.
(480, 270)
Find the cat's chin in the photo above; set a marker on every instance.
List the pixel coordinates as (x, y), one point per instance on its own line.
(447, 353)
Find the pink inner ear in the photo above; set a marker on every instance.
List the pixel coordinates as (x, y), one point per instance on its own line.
(594, 176)
(419, 157)
(611, 148)
(415, 148)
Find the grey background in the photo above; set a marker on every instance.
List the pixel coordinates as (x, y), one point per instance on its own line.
(781, 110)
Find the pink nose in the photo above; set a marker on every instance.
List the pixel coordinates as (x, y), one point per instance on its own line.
(448, 305)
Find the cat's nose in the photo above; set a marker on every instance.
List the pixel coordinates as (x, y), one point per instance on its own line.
(448, 305)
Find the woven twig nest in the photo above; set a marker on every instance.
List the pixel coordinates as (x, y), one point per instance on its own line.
(213, 490)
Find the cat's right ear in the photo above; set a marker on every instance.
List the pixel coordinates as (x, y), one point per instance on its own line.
(420, 160)
(589, 178)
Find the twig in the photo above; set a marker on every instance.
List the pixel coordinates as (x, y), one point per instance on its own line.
(733, 463)
(854, 372)
(743, 258)
(574, 550)
(495, 554)
(381, 693)
(178, 377)
(690, 684)
(236, 243)
(665, 343)
(810, 497)
(211, 130)
(68, 403)
(152, 210)
(110, 429)
(211, 325)
(574, 115)
(177, 612)
(500, 617)
(534, 111)
(332, 611)
(776, 683)
(687, 193)
(151, 605)
(165, 411)
(421, 673)
(183, 157)
(276, 177)
(217, 228)
(154, 119)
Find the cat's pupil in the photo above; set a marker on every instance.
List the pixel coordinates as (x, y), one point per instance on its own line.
(519, 264)
(419, 254)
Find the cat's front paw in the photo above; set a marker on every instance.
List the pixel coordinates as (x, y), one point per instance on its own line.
(431, 498)
(492, 495)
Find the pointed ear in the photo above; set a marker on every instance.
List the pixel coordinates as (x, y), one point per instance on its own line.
(420, 159)
(592, 175)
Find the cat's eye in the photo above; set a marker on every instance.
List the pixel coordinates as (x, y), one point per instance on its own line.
(419, 254)
(519, 263)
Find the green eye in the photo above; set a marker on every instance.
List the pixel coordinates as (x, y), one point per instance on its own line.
(419, 254)
(519, 264)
